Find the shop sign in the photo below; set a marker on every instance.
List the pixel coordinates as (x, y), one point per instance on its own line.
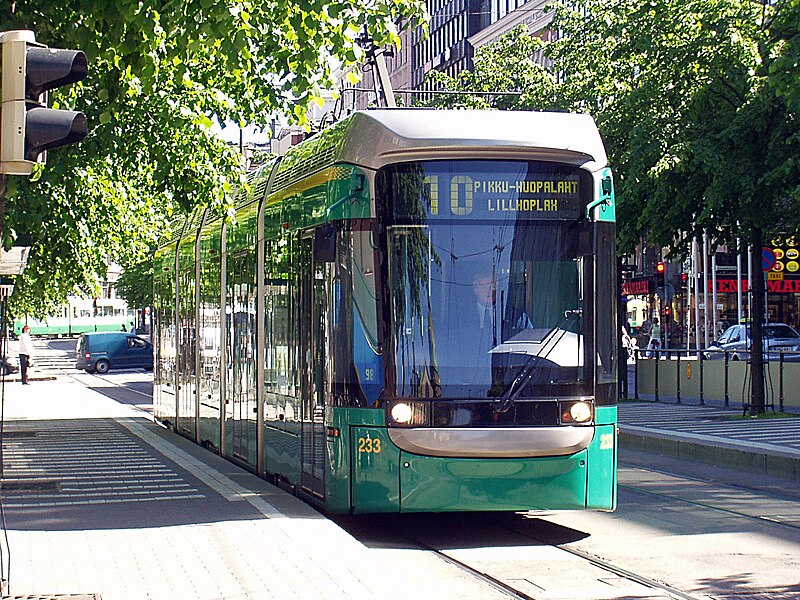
(636, 287)
(774, 286)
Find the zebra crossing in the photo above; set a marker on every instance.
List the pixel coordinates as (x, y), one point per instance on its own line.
(710, 423)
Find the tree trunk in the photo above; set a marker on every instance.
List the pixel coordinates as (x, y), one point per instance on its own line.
(756, 320)
(3, 188)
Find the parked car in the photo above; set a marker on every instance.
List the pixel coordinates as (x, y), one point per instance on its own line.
(101, 352)
(736, 341)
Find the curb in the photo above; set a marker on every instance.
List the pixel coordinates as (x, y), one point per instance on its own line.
(719, 454)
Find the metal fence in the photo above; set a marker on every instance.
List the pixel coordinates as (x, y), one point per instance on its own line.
(710, 376)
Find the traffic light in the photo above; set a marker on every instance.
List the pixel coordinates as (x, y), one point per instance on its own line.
(661, 268)
(29, 128)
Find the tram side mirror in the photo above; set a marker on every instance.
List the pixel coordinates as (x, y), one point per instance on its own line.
(325, 244)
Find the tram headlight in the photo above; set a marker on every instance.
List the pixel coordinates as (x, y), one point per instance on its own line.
(402, 413)
(409, 414)
(579, 412)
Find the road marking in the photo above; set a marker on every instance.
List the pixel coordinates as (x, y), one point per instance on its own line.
(223, 485)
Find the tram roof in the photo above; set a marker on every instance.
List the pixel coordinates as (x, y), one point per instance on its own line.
(376, 138)
(379, 137)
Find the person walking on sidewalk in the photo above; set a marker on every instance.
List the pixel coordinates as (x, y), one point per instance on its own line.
(25, 353)
(655, 338)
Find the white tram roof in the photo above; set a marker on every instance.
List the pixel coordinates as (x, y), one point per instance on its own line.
(379, 137)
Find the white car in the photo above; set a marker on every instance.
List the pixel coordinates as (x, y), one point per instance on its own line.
(736, 341)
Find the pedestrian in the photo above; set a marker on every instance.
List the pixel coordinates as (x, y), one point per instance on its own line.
(643, 333)
(655, 337)
(25, 353)
(629, 343)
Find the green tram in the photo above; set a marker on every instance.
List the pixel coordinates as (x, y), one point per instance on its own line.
(413, 311)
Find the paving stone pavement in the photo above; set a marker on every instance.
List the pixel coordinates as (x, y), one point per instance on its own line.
(98, 500)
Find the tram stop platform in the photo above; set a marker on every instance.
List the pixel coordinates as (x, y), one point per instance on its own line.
(100, 502)
(712, 434)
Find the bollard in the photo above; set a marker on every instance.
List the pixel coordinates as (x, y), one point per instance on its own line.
(727, 400)
(702, 378)
(658, 358)
(780, 382)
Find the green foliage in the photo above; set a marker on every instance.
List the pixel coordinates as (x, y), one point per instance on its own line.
(508, 65)
(160, 73)
(696, 100)
(135, 284)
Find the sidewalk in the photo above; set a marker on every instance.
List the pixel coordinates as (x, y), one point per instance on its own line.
(99, 502)
(712, 435)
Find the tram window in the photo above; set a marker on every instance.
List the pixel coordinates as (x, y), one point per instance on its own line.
(606, 323)
(357, 366)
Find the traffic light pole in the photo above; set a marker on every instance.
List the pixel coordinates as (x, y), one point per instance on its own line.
(667, 311)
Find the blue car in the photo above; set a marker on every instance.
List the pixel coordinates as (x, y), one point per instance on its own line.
(100, 352)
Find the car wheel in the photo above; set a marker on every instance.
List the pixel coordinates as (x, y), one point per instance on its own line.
(102, 366)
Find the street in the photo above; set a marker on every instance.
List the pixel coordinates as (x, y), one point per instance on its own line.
(681, 530)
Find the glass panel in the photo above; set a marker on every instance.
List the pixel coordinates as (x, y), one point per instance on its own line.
(474, 306)
(279, 370)
(357, 362)
(241, 386)
(210, 335)
(605, 282)
(166, 348)
(186, 332)
(485, 303)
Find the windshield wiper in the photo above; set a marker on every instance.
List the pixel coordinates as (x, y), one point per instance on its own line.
(506, 400)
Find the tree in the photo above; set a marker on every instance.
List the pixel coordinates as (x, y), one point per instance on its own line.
(505, 76)
(160, 75)
(135, 284)
(697, 101)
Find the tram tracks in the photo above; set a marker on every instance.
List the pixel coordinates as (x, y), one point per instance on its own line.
(636, 586)
(739, 493)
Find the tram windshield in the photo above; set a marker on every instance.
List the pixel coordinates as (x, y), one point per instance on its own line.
(486, 278)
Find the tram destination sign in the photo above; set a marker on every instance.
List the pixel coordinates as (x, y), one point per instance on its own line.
(491, 190)
(498, 197)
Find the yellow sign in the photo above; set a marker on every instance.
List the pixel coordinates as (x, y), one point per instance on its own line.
(773, 276)
(688, 370)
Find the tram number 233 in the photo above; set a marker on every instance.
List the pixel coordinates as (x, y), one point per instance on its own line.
(367, 445)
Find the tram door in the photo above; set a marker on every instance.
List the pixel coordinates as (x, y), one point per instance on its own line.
(312, 368)
(241, 380)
